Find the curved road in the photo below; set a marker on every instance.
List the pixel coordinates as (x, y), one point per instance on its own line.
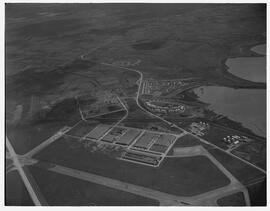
(202, 140)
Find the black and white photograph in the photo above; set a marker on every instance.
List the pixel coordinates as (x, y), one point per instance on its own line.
(134, 103)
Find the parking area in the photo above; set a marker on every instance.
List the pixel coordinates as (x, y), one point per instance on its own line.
(129, 136)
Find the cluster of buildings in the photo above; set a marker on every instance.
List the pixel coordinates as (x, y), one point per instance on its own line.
(148, 159)
(165, 109)
(153, 83)
(134, 145)
(199, 128)
(235, 140)
(106, 97)
(102, 100)
(153, 86)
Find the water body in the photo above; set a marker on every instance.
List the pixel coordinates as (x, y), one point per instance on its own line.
(260, 49)
(250, 68)
(247, 106)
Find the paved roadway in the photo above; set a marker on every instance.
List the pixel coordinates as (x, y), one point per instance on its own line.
(46, 143)
(211, 197)
(164, 198)
(22, 173)
(170, 123)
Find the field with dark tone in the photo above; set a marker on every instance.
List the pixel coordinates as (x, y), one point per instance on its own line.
(111, 118)
(56, 54)
(254, 152)
(8, 162)
(16, 193)
(82, 128)
(258, 193)
(250, 177)
(171, 41)
(188, 176)
(236, 199)
(245, 173)
(188, 141)
(25, 138)
(32, 131)
(62, 190)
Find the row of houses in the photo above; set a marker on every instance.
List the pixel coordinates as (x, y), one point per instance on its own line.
(166, 109)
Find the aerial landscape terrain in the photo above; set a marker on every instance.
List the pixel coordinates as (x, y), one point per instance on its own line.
(135, 104)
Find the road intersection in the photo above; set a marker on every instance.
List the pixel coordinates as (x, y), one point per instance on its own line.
(208, 198)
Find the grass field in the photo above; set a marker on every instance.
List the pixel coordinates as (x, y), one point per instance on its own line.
(111, 118)
(236, 199)
(16, 193)
(215, 136)
(62, 190)
(82, 128)
(188, 141)
(245, 173)
(254, 152)
(27, 135)
(8, 162)
(188, 176)
(257, 193)
(24, 138)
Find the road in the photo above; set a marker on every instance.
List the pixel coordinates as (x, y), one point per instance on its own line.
(164, 198)
(208, 198)
(22, 173)
(46, 143)
(170, 123)
(116, 124)
(211, 197)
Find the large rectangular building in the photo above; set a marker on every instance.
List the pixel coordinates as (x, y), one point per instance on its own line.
(142, 158)
(163, 142)
(129, 136)
(145, 140)
(115, 134)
